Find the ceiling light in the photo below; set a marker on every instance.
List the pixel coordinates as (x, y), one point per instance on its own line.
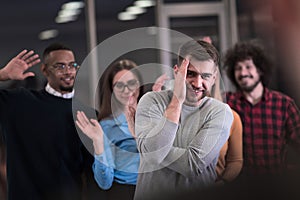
(48, 34)
(144, 3)
(65, 19)
(135, 10)
(66, 13)
(73, 5)
(124, 16)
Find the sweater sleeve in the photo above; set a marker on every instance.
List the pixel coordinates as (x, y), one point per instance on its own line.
(156, 136)
(203, 150)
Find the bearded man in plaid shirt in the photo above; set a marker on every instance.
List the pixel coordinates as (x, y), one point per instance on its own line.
(271, 120)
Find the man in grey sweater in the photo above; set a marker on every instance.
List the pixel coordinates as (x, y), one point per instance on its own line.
(181, 132)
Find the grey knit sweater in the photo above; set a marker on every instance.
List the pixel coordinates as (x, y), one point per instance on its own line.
(178, 156)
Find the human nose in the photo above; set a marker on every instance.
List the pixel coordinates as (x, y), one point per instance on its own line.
(197, 81)
(126, 89)
(243, 71)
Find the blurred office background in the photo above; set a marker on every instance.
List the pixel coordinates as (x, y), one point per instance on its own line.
(35, 24)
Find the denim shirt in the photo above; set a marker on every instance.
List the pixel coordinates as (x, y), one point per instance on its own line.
(120, 160)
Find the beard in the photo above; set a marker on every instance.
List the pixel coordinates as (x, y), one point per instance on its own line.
(66, 89)
(191, 98)
(249, 88)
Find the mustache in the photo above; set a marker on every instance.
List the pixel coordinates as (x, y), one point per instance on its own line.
(245, 76)
(192, 87)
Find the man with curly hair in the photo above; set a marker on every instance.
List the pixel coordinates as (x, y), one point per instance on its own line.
(271, 120)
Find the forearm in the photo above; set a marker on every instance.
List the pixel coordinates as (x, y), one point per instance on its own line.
(232, 170)
(155, 142)
(194, 159)
(103, 173)
(203, 148)
(172, 113)
(98, 146)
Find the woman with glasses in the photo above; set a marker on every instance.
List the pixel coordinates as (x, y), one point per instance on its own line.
(116, 156)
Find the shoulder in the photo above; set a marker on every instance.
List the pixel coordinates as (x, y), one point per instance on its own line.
(273, 94)
(215, 107)
(113, 121)
(156, 97)
(216, 104)
(230, 96)
(23, 92)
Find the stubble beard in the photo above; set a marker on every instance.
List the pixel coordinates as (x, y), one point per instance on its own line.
(192, 100)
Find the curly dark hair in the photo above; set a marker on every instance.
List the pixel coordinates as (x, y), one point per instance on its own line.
(244, 51)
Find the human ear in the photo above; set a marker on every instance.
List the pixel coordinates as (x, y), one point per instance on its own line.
(44, 70)
(176, 68)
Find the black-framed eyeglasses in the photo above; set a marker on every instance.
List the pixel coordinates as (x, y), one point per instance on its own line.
(131, 85)
(73, 66)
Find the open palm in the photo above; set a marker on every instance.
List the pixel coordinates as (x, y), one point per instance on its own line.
(16, 67)
(90, 128)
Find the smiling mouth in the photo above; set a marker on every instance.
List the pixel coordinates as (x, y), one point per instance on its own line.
(67, 79)
(197, 90)
(245, 77)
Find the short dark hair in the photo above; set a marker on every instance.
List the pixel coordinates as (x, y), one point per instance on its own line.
(54, 47)
(199, 50)
(248, 50)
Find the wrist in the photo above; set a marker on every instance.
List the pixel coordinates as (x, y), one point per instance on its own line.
(173, 110)
(98, 146)
(3, 75)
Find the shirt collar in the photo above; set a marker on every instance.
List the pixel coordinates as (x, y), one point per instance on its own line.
(265, 97)
(52, 91)
(267, 94)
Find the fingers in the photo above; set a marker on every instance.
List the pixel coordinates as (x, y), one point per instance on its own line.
(79, 125)
(82, 119)
(27, 55)
(33, 60)
(207, 39)
(94, 122)
(21, 54)
(28, 74)
(181, 71)
(132, 101)
(183, 67)
(160, 81)
(30, 58)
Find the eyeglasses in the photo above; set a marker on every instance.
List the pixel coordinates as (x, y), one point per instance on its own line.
(131, 85)
(72, 66)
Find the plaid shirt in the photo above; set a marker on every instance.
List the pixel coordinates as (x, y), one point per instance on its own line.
(268, 127)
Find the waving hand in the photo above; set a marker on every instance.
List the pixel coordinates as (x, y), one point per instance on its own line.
(16, 67)
(92, 129)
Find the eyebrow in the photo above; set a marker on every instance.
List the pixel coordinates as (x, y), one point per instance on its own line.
(126, 81)
(204, 73)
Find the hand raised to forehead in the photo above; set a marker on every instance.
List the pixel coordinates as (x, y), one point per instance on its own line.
(16, 67)
(180, 80)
